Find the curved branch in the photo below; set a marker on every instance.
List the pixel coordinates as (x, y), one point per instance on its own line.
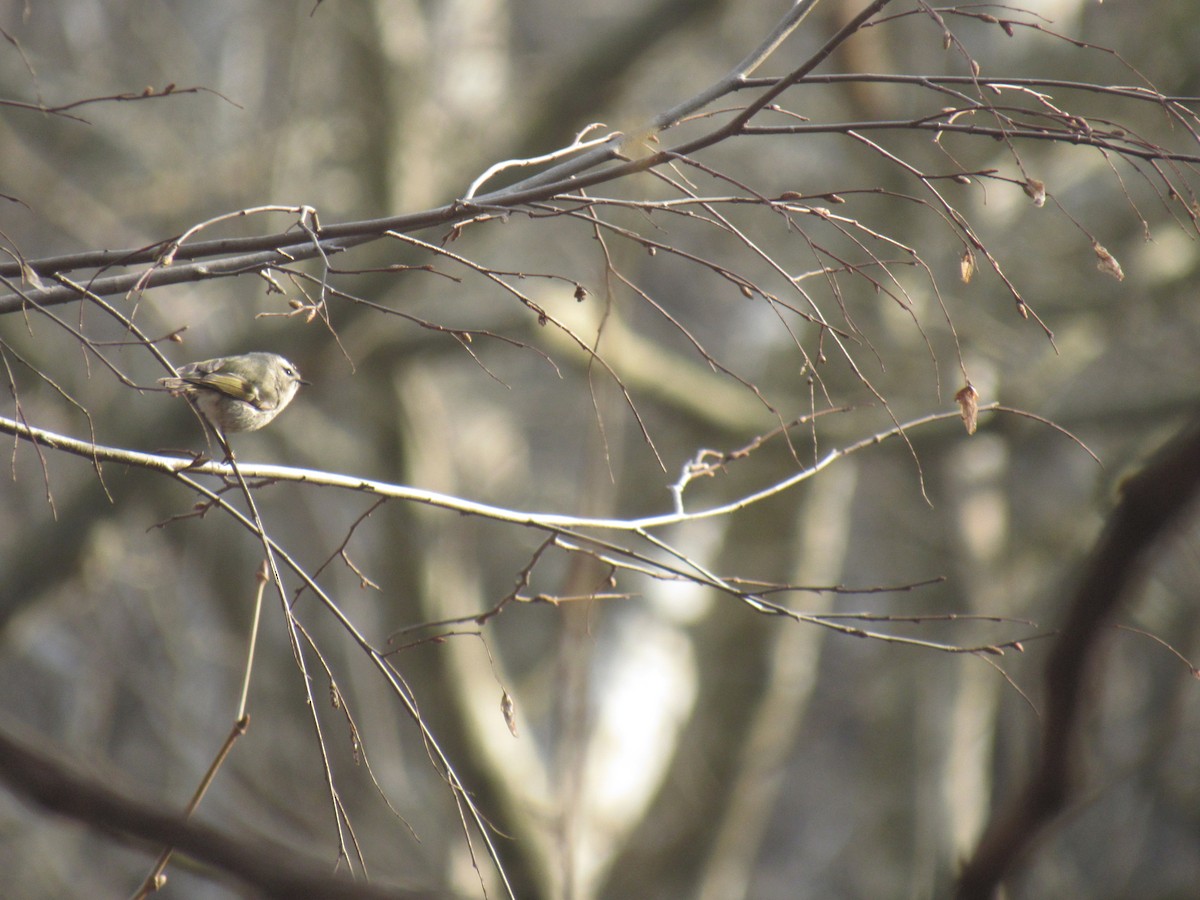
(1151, 503)
(179, 467)
(183, 466)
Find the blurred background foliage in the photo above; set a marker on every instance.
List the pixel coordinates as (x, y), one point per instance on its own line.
(671, 743)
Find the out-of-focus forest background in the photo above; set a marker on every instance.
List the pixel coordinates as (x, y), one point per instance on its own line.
(671, 741)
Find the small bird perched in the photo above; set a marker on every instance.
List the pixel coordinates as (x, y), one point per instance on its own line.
(238, 393)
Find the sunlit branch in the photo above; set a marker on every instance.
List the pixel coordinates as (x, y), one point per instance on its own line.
(175, 466)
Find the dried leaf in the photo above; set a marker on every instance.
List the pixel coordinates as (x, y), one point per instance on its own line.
(966, 265)
(1107, 263)
(509, 711)
(1036, 191)
(31, 277)
(968, 405)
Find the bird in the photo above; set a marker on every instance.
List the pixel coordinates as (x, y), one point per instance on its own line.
(238, 393)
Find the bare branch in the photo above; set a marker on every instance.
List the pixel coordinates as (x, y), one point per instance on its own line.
(1151, 502)
(55, 786)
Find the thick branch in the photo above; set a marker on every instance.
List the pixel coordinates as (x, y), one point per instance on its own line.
(1151, 503)
(53, 785)
(262, 252)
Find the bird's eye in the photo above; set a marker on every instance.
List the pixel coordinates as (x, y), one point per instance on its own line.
(289, 371)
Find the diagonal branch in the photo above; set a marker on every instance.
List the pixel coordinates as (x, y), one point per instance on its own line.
(38, 778)
(1152, 502)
